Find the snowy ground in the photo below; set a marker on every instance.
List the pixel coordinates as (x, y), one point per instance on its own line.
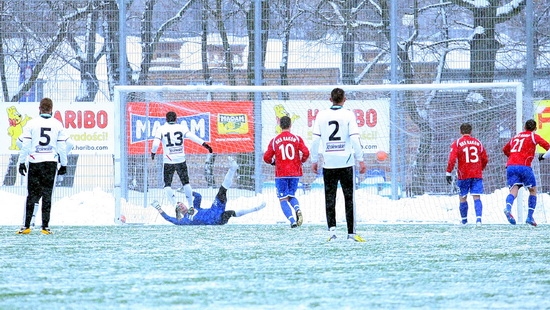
(422, 259)
(97, 207)
(401, 266)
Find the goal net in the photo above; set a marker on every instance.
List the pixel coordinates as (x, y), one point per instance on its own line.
(406, 131)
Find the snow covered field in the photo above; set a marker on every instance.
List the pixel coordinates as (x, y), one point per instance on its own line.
(96, 207)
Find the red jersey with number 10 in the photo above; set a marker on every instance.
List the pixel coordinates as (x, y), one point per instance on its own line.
(521, 148)
(471, 155)
(289, 151)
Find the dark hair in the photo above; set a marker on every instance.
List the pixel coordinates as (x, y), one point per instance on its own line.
(285, 122)
(46, 105)
(530, 125)
(337, 96)
(465, 128)
(171, 117)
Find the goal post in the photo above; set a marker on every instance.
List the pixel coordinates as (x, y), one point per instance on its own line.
(412, 124)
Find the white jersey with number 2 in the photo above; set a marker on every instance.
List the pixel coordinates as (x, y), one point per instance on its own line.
(336, 137)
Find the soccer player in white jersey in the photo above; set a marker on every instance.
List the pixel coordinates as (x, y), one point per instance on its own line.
(336, 137)
(172, 136)
(43, 146)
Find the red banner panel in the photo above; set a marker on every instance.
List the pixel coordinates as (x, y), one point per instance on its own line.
(228, 126)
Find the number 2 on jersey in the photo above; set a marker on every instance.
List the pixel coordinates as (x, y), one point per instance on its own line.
(333, 136)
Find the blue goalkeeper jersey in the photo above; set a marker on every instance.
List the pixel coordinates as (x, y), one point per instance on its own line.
(211, 216)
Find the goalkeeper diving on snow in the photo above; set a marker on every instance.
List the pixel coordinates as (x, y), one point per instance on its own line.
(216, 214)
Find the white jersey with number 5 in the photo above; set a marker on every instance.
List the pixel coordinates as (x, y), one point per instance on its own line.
(43, 139)
(172, 137)
(336, 136)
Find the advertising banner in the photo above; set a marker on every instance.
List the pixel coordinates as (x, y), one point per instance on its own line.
(542, 117)
(372, 118)
(228, 126)
(88, 124)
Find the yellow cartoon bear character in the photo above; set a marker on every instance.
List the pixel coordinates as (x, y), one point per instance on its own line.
(16, 122)
(280, 111)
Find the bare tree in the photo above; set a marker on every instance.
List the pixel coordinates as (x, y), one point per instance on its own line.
(286, 14)
(87, 57)
(151, 37)
(227, 57)
(3, 79)
(251, 29)
(483, 44)
(52, 44)
(351, 19)
(204, 43)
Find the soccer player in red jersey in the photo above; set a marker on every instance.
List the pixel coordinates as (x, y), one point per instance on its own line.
(520, 152)
(472, 159)
(287, 152)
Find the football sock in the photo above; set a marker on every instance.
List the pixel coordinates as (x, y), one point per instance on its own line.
(531, 204)
(294, 203)
(463, 207)
(228, 179)
(287, 211)
(509, 202)
(478, 207)
(246, 211)
(170, 194)
(188, 195)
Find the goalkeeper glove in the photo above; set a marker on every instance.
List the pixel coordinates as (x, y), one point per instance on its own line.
(153, 156)
(206, 146)
(541, 157)
(449, 179)
(62, 170)
(191, 211)
(22, 169)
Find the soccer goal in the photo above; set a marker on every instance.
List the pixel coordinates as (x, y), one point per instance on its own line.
(406, 131)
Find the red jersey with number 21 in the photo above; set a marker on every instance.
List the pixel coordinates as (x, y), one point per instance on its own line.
(521, 148)
(471, 155)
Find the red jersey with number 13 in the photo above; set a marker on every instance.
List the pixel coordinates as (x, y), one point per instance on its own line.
(471, 155)
(521, 148)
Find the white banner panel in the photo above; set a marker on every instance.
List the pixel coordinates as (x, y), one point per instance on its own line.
(373, 119)
(89, 124)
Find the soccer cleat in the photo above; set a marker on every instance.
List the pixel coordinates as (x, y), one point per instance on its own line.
(509, 216)
(24, 231)
(299, 218)
(478, 223)
(356, 238)
(46, 231)
(531, 221)
(331, 234)
(293, 225)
